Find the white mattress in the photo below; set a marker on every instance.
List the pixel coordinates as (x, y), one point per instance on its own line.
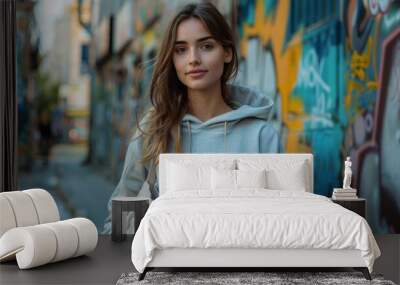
(252, 218)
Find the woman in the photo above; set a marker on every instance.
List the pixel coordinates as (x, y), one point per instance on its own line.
(194, 109)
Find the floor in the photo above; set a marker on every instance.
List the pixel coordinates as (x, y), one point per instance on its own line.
(110, 260)
(389, 262)
(102, 266)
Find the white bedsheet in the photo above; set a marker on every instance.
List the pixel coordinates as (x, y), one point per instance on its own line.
(251, 218)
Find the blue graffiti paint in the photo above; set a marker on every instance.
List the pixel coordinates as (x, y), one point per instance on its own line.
(269, 7)
(360, 35)
(246, 13)
(326, 144)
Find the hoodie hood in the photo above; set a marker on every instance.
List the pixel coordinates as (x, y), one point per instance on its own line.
(247, 103)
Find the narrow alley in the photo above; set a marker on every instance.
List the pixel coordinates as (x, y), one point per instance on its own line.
(79, 190)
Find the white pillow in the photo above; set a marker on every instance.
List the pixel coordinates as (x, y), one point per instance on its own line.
(235, 179)
(185, 175)
(251, 178)
(292, 175)
(223, 179)
(294, 180)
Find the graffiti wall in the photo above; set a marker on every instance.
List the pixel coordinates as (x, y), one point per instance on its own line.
(372, 106)
(322, 62)
(301, 73)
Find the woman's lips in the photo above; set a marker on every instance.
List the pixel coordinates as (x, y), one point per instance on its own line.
(196, 75)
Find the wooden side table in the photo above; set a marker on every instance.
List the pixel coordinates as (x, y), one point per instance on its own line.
(138, 205)
(358, 205)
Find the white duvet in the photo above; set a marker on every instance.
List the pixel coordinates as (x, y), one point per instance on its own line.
(251, 218)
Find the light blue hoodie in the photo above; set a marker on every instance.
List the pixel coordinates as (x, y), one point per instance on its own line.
(245, 129)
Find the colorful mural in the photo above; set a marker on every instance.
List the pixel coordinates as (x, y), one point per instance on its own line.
(298, 74)
(372, 103)
(320, 61)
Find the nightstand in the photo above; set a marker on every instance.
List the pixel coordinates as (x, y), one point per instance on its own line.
(356, 205)
(138, 205)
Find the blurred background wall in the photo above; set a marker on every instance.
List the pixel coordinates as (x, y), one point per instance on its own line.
(332, 68)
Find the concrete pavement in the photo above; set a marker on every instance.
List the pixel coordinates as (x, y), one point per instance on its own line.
(79, 190)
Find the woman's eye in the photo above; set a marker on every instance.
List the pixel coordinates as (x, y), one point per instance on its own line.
(180, 50)
(207, 46)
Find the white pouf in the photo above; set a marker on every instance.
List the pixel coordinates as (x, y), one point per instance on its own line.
(32, 233)
(40, 244)
(26, 208)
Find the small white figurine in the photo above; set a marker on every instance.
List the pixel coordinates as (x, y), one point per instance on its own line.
(347, 174)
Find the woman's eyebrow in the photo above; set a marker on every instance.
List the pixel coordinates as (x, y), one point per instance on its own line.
(198, 40)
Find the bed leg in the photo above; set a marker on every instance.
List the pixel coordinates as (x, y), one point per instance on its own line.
(364, 271)
(143, 274)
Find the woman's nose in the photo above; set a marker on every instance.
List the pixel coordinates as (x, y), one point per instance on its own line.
(194, 56)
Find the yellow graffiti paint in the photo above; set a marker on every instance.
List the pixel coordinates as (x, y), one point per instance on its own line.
(360, 62)
(271, 30)
(359, 81)
(149, 37)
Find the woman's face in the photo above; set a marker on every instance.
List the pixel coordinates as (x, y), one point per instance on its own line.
(198, 58)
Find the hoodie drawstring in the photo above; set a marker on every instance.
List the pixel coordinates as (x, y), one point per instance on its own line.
(190, 136)
(225, 137)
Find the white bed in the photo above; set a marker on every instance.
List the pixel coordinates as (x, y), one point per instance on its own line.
(280, 224)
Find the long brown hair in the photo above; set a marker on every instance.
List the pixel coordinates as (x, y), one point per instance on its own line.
(167, 93)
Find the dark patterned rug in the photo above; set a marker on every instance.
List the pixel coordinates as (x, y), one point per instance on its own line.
(230, 278)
